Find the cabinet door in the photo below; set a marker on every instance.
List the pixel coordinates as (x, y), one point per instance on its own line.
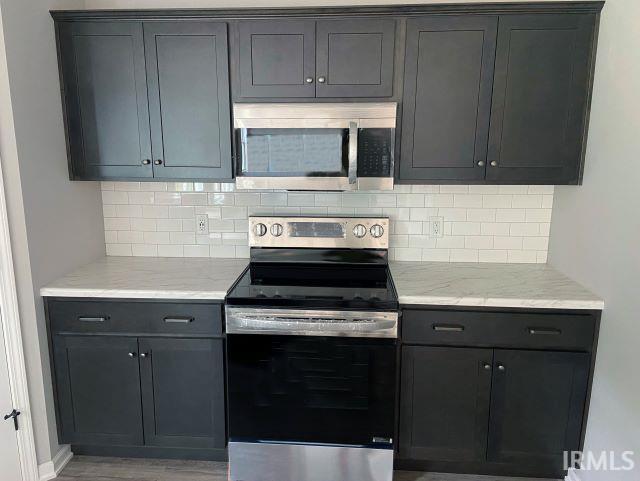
(537, 403)
(105, 97)
(187, 66)
(447, 97)
(98, 387)
(444, 403)
(540, 98)
(277, 58)
(354, 58)
(183, 392)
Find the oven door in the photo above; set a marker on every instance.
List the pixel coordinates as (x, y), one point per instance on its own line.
(311, 389)
(296, 154)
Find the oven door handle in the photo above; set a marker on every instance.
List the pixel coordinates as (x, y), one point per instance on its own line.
(313, 327)
(353, 153)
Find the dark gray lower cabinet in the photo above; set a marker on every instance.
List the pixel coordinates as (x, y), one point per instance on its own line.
(444, 410)
(108, 385)
(182, 392)
(537, 403)
(98, 387)
(496, 396)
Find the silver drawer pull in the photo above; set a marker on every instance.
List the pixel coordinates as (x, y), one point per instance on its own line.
(448, 328)
(544, 331)
(92, 318)
(179, 320)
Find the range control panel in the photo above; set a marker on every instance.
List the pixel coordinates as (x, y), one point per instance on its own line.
(319, 232)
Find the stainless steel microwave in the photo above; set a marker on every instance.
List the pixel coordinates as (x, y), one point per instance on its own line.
(319, 146)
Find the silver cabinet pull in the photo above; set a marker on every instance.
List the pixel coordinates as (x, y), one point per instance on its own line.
(353, 152)
(494, 163)
(157, 162)
(92, 318)
(178, 320)
(144, 354)
(544, 331)
(322, 80)
(146, 161)
(481, 163)
(309, 80)
(131, 354)
(501, 367)
(486, 366)
(448, 328)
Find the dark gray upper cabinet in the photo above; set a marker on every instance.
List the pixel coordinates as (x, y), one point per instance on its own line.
(328, 58)
(444, 403)
(496, 93)
(354, 58)
(98, 389)
(105, 98)
(537, 405)
(188, 78)
(147, 100)
(541, 93)
(183, 392)
(447, 97)
(277, 58)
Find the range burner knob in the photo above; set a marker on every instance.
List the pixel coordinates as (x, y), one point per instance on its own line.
(377, 230)
(276, 230)
(259, 229)
(359, 231)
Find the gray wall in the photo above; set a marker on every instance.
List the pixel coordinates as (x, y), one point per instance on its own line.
(595, 234)
(56, 225)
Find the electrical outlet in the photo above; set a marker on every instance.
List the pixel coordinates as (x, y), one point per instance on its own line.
(202, 224)
(436, 226)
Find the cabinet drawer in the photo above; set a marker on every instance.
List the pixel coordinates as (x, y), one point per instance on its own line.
(133, 317)
(499, 329)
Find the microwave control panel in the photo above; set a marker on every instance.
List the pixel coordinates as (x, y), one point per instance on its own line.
(375, 152)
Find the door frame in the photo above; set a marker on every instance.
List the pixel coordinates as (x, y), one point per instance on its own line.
(10, 324)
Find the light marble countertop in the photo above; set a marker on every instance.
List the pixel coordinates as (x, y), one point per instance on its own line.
(489, 285)
(150, 278)
(418, 283)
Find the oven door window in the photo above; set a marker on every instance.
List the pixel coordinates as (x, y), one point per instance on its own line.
(310, 389)
(293, 152)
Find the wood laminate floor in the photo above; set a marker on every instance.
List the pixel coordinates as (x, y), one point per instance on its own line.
(90, 468)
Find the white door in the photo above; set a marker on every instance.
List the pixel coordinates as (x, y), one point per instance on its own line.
(9, 456)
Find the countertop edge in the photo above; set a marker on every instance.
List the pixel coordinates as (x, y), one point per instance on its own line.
(568, 304)
(132, 294)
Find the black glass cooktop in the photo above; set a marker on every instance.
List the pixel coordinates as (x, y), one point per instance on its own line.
(315, 286)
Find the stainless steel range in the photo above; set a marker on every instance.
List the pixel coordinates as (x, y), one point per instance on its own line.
(311, 352)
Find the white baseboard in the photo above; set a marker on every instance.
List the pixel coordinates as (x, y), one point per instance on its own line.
(51, 469)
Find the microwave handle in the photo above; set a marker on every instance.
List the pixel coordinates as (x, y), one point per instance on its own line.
(353, 152)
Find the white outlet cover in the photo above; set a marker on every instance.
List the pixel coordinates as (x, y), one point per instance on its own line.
(436, 226)
(202, 224)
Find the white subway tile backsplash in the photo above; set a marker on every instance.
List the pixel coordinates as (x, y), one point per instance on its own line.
(156, 237)
(118, 249)
(492, 256)
(143, 224)
(170, 251)
(144, 250)
(113, 197)
(436, 255)
(141, 198)
(465, 228)
(167, 198)
(463, 255)
(482, 223)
